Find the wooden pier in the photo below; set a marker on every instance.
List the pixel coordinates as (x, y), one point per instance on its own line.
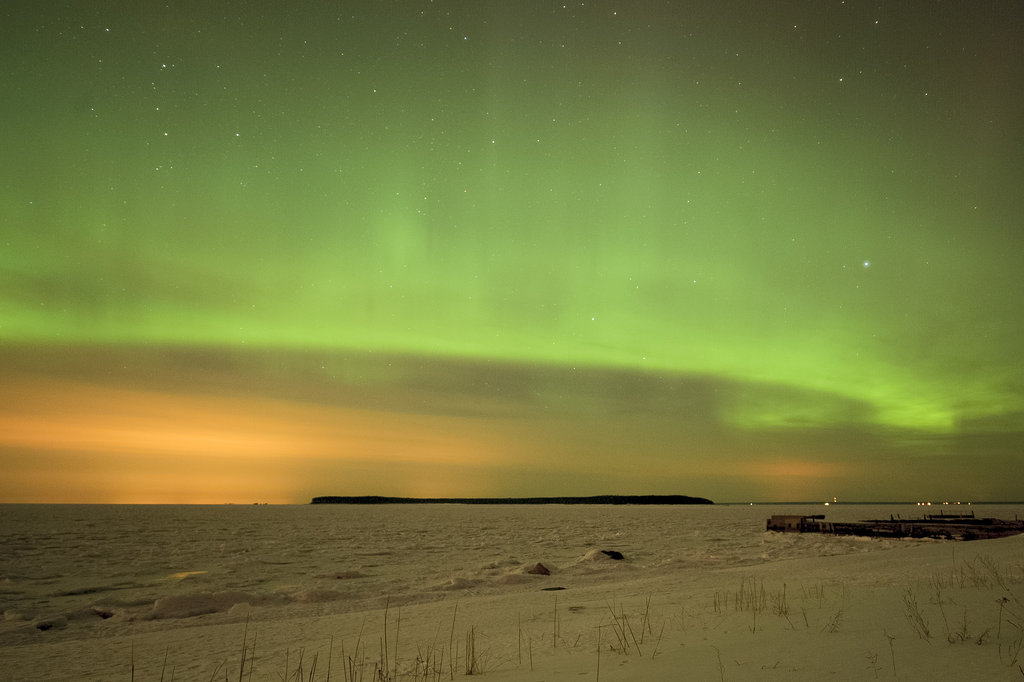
(936, 526)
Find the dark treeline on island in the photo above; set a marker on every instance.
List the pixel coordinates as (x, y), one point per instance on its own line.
(594, 499)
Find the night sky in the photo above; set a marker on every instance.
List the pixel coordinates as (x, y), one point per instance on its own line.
(260, 251)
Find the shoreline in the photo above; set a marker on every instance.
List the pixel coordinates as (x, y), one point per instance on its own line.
(878, 615)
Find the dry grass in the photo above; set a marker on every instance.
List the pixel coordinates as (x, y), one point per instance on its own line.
(971, 601)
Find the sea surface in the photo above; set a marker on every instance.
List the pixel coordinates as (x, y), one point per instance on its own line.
(90, 569)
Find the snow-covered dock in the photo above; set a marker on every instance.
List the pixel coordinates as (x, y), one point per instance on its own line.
(938, 526)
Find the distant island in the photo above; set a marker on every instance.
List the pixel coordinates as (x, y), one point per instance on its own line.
(594, 499)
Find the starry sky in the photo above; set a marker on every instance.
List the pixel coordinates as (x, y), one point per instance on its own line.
(261, 251)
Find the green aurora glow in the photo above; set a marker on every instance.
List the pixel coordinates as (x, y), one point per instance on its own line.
(817, 204)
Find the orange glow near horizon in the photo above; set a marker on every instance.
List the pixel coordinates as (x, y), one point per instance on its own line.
(79, 442)
(145, 446)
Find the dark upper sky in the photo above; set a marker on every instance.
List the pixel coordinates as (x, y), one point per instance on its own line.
(739, 250)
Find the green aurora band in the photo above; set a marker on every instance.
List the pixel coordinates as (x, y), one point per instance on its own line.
(820, 201)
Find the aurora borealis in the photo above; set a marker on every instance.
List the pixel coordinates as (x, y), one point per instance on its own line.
(266, 251)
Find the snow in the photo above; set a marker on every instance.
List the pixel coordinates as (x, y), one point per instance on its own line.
(703, 594)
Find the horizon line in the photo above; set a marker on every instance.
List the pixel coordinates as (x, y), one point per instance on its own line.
(448, 500)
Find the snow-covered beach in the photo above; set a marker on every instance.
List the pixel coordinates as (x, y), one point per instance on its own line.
(433, 592)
